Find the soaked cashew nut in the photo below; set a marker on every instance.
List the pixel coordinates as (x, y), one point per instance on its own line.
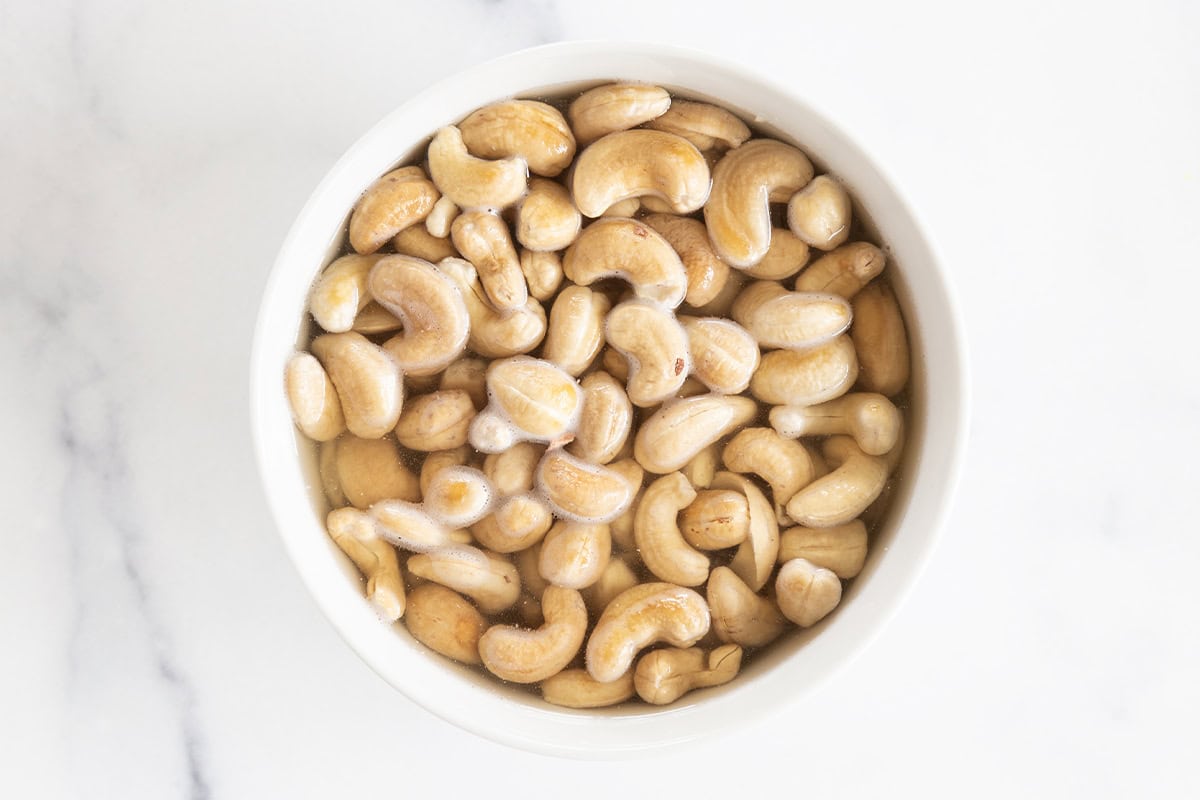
(407, 526)
(820, 213)
(841, 549)
(702, 467)
(666, 675)
(316, 408)
(656, 347)
(575, 688)
(531, 399)
(439, 460)
(844, 271)
(678, 431)
(369, 383)
(806, 377)
(470, 182)
(785, 464)
(805, 592)
(418, 242)
(458, 496)
(615, 364)
(716, 519)
(547, 218)
(528, 656)
(527, 568)
(370, 470)
(744, 183)
(616, 578)
(431, 308)
(531, 130)
(441, 218)
(517, 523)
(445, 622)
(581, 491)
(740, 615)
(621, 527)
(623, 208)
(755, 558)
(638, 163)
(575, 554)
(706, 272)
(469, 375)
(638, 617)
(844, 493)
(396, 201)
(576, 330)
(627, 249)
(341, 292)
(786, 256)
(604, 422)
(511, 471)
(659, 541)
(869, 418)
(704, 125)
(374, 318)
(879, 338)
(493, 334)
(436, 421)
(724, 354)
(488, 579)
(720, 305)
(615, 107)
(354, 532)
(482, 237)
(543, 273)
(776, 317)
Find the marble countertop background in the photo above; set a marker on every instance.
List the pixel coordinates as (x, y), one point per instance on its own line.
(155, 641)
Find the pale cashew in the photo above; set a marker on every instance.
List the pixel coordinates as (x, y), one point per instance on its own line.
(445, 622)
(374, 318)
(844, 271)
(528, 656)
(354, 532)
(843, 494)
(724, 354)
(576, 330)
(575, 688)
(704, 125)
(869, 418)
(615, 107)
(702, 467)
(820, 213)
(776, 317)
(396, 201)
(418, 242)
(621, 527)
(638, 617)
(740, 615)
(488, 579)
(706, 272)
(691, 388)
(627, 249)
(517, 523)
(623, 208)
(637, 163)
(535, 399)
(547, 218)
(879, 338)
(369, 383)
(720, 305)
(493, 334)
(659, 541)
(575, 554)
(786, 256)
(604, 422)
(806, 592)
(785, 464)
(316, 408)
(716, 519)
(656, 347)
(616, 578)
(527, 568)
(458, 496)
(511, 471)
(436, 421)
(581, 491)
(441, 218)
(471, 182)
(439, 460)
(841, 549)
(340, 293)
(426, 300)
(806, 377)
(543, 273)
(482, 237)
(755, 558)
(469, 375)
(654, 205)
(370, 470)
(615, 364)
(679, 430)
(665, 675)
(407, 526)
(530, 129)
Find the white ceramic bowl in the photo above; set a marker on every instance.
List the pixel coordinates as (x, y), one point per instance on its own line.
(792, 667)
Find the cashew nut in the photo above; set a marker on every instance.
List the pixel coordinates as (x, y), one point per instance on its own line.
(528, 129)
(488, 579)
(806, 592)
(445, 622)
(706, 272)
(615, 107)
(656, 347)
(547, 218)
(843, 494)
(517, 523)
(575, 554)
(439, 460)
(843, 271)
(354, 532)
(679, 430)
(636, 163)
(776, 317)
(806, 377)
(430, 306)
(511, 471)
(469, 375)
(418, 242)
(879, 338)
(841, 549)
(471, 182)
(615, 364)
(755, 558)
(370, 470)
(820, 213)
(616, 578)
(436, 421)
(604, 422)
(623, 208)
(621, 527)
(532, 400)
(704, 125)
(528, 656)
(740, 615)
(869, 418)
(720, 305)
(786, 256)
(638, 617)
(581, 491)
(627, 249)
(716, 519)
(374, 318)
(702, 467)
(316, 408)
(785, 464)
(441, 217)
(369, 383)
(659, 541)
(744, 183)
(458, 496)
(543, 273)
(341, 292)
(665, 675)
(575, 688)
(527, 568)
(724, 354)
(482, 237)
(576, 330)
(397, 200)
(493, 334)
(407, 526)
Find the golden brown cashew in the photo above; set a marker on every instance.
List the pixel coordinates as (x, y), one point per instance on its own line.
(469, 375)
(436, 421)
(396, 201)
(471, 182)
(706, 272)
(537, 401)
(841, 549)
(786, 256)
(369, 384)
(806, 592)
(843, 271)
(647, 613)
(493, 334)
(704, 125)
(407, 526)
(528, 129)
(656, 347)
(678, 431)
(547, 218)
(354, 532)
(575, 554)
(820, 213)
(431, 308)
(543, 273)
(879, 338)
(659, 541)
(869, 418)
(665, 675)
(615, 107)
(631, 251)
(604, 422)
(755, 558)
(488, 579)
(785, 464)
(776, 317)
(445, 622)
(744, 183)
(458, 496)
(738, 614)
(316, 408)
(525, 656)
(581, 491)
(806, 377)
(637, 163)
(511, 471)
(341, 292)
(724, 354)
(716, 519)
(482, 237)
(370, 470)
(575, 688)
(576, 330)
(418, 242)
(843, 494)
(518, 522)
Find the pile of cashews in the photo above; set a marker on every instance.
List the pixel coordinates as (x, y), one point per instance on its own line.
(578, 369)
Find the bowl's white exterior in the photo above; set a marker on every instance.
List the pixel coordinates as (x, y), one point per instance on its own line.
(936, 439)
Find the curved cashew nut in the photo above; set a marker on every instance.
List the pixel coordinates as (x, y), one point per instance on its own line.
(398, 200)
(616, 578)
(755, 558)
(469, 375)
(581, 491)
(704, 125)
(738, 614)
(776, 317)
(474, 182)
(575, 688)
(442, 217)
(806, 592)
(543, 273)
(615, 107)
(665, 675)
(482, 237)
(623, 208)
(843, 494)
(316, 408)
(604, 422)
(354, 532)
(841, 549)
(820, 213)
(370, 470)
(493, 334)
(407, 526)
(445, 622)
(720, 305)
(636, 163)
(679, 430)
(373, 319)
(880, 340)
(716, 519)
(436, 421)
(706, 272)
(418, 242)
(439, 460)
(488, 579)
(786, 256)
(627, 249)
(511, 471)
(528, 129)
(431, 308)
(657, 534)
(844, 271)
(369, 383)
(547, 218)
(532, 400)
(806, 377)
(341, 292)
(785, 464)
(525, 656)
(656, 346)
(724, 354)
(869, 418)
(638, 617)
(518, 523)
(744, 183)
(576, 330)
(458, 496)
(575, 554)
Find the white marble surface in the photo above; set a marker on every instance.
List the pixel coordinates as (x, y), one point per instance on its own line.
(157, 644)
